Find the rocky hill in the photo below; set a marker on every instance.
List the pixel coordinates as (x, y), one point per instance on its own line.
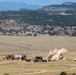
(50, 20)
(60, 9)
(67, 6)
(17, 28)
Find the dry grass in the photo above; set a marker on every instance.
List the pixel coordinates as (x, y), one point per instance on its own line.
(37, 46)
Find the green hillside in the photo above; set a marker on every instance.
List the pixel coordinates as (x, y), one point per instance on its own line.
(40, 18)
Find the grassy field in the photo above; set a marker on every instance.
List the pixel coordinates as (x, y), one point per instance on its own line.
(37, 46)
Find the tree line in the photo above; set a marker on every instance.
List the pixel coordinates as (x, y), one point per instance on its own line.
(34, 17)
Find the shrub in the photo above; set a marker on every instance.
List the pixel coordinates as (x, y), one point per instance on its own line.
(6, 74)
(63, 73)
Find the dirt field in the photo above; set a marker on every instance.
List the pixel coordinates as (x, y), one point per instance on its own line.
(37, 46)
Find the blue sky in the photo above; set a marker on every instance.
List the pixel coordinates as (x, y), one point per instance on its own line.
(40, 2)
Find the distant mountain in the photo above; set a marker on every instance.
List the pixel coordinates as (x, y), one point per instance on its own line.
(69, 3)
(50, 20)
(67, 6)
(17, 6)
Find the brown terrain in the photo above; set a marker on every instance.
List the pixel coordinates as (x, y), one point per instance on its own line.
(37, 46)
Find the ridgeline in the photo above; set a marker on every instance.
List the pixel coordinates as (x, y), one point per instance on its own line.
(51, 20)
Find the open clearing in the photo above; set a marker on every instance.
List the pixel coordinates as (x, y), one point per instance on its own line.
(37, 46)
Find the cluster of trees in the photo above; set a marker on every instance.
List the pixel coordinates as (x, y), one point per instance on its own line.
(34, 17)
